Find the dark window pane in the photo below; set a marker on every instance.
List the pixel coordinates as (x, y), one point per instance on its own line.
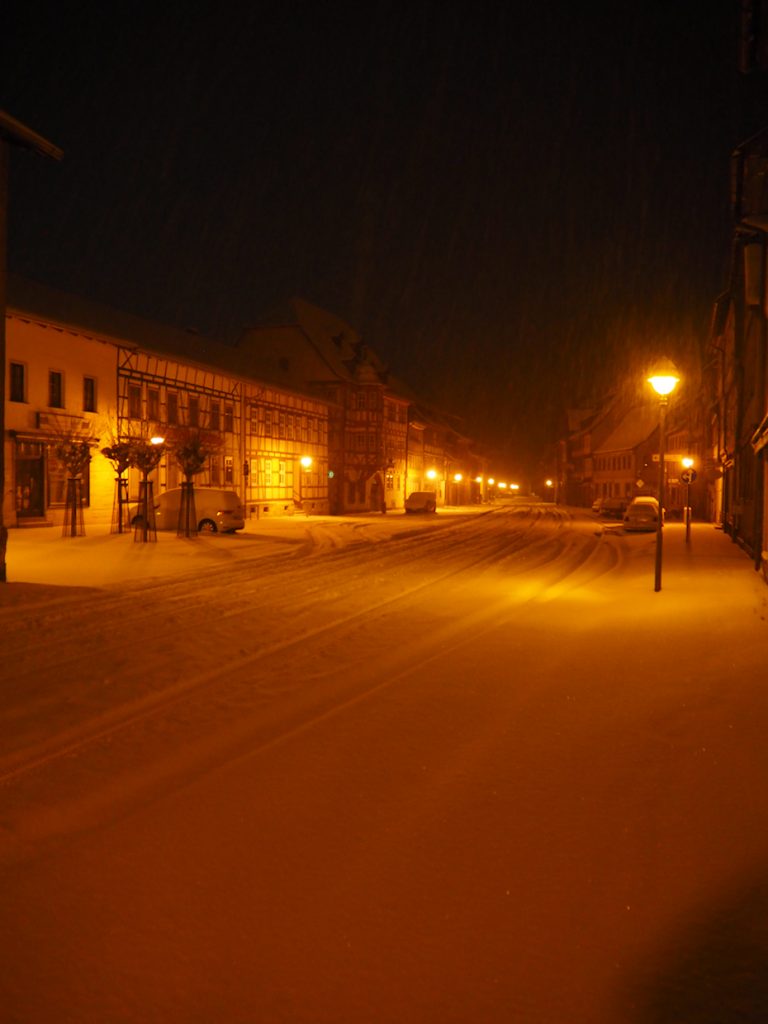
(89, 394)
(55, 389)
(17, 382)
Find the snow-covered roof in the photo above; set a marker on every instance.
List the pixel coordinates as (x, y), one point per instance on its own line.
(635, 427)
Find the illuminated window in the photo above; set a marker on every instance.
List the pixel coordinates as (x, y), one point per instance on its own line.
(58, 475)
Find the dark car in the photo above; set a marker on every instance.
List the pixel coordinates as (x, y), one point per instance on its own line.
(612, 507)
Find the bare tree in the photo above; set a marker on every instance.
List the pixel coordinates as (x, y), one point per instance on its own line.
(192, 449)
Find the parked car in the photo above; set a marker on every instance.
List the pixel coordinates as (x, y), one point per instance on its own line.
(421, 501)
(613, 507)
(642, 514)
(216, 510)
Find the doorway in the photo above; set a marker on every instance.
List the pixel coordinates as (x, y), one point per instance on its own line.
(29, 489)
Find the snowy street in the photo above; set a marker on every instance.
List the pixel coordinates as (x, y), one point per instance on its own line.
(455, 769)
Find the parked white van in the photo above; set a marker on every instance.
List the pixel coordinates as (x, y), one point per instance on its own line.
(216, 510)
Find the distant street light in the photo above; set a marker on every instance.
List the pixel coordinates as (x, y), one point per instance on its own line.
(663, 380)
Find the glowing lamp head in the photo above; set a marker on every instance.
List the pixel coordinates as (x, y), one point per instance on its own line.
(457, 478)
(664, 378)
(687, 462)
(157, 440)
(431, 474)
(306, 461)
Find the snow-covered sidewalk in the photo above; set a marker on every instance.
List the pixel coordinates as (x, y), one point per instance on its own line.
(100, 558)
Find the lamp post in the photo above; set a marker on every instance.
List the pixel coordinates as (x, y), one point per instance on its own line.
(305, 464)
(663, 380)
(688, 465)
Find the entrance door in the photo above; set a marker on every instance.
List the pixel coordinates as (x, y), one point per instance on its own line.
(30, 477)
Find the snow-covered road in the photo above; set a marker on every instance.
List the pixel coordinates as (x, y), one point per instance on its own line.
(464, 769)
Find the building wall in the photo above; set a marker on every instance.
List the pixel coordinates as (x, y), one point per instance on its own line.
(260, 433)
(34, 488)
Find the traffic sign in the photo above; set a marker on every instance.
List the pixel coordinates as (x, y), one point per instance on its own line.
(688, 476)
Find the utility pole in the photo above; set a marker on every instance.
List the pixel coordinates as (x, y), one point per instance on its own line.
(12, 133)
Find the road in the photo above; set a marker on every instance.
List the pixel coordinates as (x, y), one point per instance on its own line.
(467, 774)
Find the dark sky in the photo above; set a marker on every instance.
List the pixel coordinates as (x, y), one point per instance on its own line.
(511, 201)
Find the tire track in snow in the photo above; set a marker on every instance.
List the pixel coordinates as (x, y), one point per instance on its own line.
(281, 709)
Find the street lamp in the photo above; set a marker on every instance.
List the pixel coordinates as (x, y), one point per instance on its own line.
(663, 380)
(305, 462)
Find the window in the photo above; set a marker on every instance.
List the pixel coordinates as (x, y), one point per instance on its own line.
(18, 382)
(58, 477)
(55, 389)
(194, 411)
(173, 408)
(229, 469)
(215, 416)
(229, 418)
(89, 394)
(134, 401)
(153, 404)
(281, 473)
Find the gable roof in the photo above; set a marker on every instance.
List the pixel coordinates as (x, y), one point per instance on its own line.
(35, 301)
(633, 429)
(311, 345)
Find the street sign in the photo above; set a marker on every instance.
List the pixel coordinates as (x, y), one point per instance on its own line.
(688, 476)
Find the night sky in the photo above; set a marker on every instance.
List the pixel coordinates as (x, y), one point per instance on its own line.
(514, 203)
